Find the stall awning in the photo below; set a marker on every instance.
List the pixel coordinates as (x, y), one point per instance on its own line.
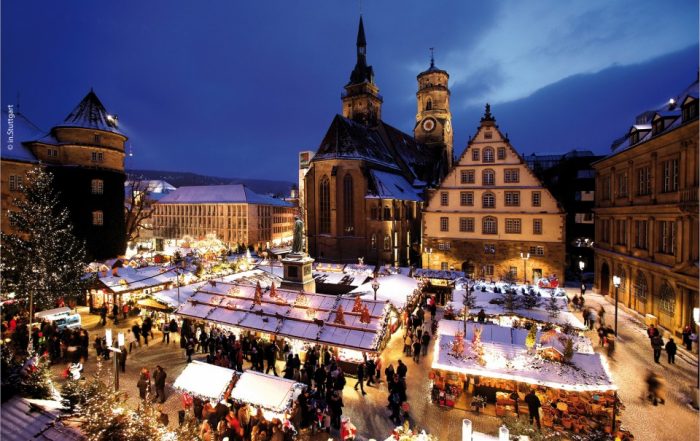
(204, 380)
(152, 304)
(272, 393)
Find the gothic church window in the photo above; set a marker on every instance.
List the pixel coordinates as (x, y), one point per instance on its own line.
(324, 205)
(348, 212)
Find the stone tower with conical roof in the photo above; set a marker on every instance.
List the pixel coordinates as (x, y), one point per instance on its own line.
(433, 118)
(85, 153)
(361, 100)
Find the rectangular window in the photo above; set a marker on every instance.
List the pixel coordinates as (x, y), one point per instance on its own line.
(97, 218)
(475, 154)
(467, 176)
(466, 224)
(667, 237)
(443, 246)
(501, 153)
(605, 230)
(444, 266)
(53, 153)
(513, 272)
(512, 198)
(444, 198)
(97, 186)
(387, 213)
(488, 270)
(640, 235)
(15, 182)
(97, 157)
(670, 175)
(373, 213)
(644, 181)
(605, 187)
(444, 224)
(537, 226)
(537, 251)
(466, 198)
(536, 198)
(513, 226)
(622, 185)
(512, 175)
(488, 134)
(621, 229)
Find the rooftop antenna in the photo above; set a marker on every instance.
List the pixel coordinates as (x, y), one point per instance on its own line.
(432, 57)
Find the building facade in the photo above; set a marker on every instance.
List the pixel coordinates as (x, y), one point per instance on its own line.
(490, 211)
(234, 213)
(85, 155)
(647, 214)
(363, 190)
(570, 178)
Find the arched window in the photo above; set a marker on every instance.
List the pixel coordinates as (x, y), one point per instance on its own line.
(324, 206)
(373, 241)
(641, 289)
(487, 155)
(429, 104)
(387, 243)
(623, 280)
(667, 299)
(348, 205)
(489, 225)
(488, 200)
(488, 176)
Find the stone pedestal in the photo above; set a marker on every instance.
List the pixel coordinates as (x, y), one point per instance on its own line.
(297, 273)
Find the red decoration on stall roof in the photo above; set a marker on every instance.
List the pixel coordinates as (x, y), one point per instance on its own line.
(365, 317)
(273, 290)
(257, 298)
(339, 316)
(357, 306)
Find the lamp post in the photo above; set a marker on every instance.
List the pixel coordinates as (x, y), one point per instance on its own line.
(525, 256)
(430, 253)
(177, 283)
(117, 351)
(581, 266)
(375, 287)
(616, 282)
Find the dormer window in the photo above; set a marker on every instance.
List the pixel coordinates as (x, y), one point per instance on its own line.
(475, 154)
(634, 137)
(658, 126)
(690, 109)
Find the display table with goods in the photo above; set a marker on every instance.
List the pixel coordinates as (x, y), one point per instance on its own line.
(496, 367)
(357, 327)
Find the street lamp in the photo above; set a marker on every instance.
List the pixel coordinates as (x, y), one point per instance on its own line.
(430, 252)
(581, 266)
(525, 256)
(375, 287)
(616, 282)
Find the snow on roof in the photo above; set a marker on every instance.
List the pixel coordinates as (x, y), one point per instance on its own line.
(131, 279)
(204, 380)
(170, 296)
(29, 419)
(393, 186)
(152, 186)
(538, 313)
(266, 391)
(506, 357)
(90, 113)
(23, 130)
(234, 193)
(438, 274)
(395, 289)
(305, 316)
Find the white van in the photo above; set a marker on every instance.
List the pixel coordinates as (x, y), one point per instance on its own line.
(65, 318)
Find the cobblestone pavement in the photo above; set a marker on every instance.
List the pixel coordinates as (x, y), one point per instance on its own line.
(675, 420)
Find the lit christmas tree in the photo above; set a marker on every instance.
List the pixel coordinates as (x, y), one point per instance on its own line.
(43, 259)
(553, 307)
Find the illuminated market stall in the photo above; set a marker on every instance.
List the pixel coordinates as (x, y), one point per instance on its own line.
(439, 282)
(274, 395)
(351, 328)
(492, 368)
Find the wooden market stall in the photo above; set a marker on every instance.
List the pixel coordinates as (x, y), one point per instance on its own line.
(351, 330)
(492, 368)
(439, 282)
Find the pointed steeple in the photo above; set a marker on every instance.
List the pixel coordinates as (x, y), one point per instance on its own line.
(361, 41)
(487, 114)
(362, 72)
(361, 99)
(90, 113)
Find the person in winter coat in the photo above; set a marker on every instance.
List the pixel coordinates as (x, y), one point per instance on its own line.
(402, 370)
(172, 326)
(657, 343)
(136, 330)
(655, 388)
(361, 378)
(671, 349)
(425, 341)
(687, 341)
(416, 349)
(371, 370)
(533, 407)
(144, 384)
(159, 376)
(407, 343)
(189, 350)
(336, 407)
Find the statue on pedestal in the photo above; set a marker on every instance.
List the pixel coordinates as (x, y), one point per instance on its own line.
(298, 241)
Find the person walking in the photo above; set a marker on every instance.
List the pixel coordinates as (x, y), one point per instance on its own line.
(378, 367)
(657, 343)
(130, 339)
(416, 349)
(671, 349)
(189, 350)
(271, 356)
(136, 329)
(159, 376)
(481, 316)
(115, 313)
(371, 371)
(402, 370)
(172, 327)
(103, 315)
(425, 341)
(361, 378)
(655, 388)
(407, 342)
(533, 407)
(165, 329)
(687, 341)
(389, 373)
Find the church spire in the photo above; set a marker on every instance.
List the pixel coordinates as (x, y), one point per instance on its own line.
(361, 100)
(362, 72)
(361, 41)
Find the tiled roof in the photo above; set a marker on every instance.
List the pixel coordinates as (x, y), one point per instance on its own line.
(236, 193)
(90, 113)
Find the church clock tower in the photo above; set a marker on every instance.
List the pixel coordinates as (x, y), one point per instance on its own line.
(434, 120)
(361, 99)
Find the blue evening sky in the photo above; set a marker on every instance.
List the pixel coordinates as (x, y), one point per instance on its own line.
(239, 88)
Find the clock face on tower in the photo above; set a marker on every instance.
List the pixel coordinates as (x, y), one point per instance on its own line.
(428, 124)
(448, 126)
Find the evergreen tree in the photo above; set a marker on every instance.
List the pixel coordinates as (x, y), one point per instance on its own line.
(530, 300)
(531, 338)
(510, 300)
(43, 259)
(553, 306)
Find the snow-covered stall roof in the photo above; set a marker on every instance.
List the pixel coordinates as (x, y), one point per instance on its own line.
(395, 289)
(268, 392)
(132, 279)
(204, 380)
(438, 274)
(538, 313)
(170, 296)
(30, 419)
(506, 357)
(293, 314)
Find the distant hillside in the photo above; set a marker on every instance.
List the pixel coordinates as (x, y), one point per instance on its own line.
(180, 179)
